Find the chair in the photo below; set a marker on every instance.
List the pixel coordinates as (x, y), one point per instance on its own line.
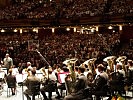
(10, 85)
(35, 89)
(61, 87)
(100, 94)
(87, 94)
(50, 87)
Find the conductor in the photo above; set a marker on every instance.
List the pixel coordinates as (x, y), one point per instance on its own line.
(8, 62)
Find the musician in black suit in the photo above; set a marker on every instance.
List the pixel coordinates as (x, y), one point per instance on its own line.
(49, 83)
(100, 81)
(80, 85)
(11, 81)
(130, 72)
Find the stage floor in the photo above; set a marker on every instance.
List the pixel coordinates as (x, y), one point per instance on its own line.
(20, 96)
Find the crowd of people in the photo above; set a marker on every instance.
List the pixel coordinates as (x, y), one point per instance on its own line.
(65, 9)
(81, 46)
(121, 7)
(80, 82)
(54, 49)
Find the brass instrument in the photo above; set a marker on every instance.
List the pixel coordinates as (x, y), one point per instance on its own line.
(110, 62)
(71, 78)
(27, 72)
(91, 65)
(121, 60)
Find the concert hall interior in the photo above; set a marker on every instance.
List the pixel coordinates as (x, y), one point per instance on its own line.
(66, 49)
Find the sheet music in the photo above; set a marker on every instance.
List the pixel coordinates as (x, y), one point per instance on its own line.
(39, 74)
(62, 76)
(21, 77)
(2, 75)
(4, 69)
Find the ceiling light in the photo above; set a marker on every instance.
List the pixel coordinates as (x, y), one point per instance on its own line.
(15, 30)
(2, 30)
(110, 27)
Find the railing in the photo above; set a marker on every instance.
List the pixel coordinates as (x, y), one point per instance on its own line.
(64, 21)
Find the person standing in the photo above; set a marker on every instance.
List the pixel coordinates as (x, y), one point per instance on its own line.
(8, 62)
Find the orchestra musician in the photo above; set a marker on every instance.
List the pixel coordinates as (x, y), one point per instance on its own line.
(100, 81)
(14, 70)
(8, 62)
(80, 85)
(129, 77)
(11, 79)
(2, 78)
(49, 85)
(61, 85)
(28, 69)
(32, 78)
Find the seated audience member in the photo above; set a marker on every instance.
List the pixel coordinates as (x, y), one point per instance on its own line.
(11, 79)
(80, 85)
(49, 85)
(30, 79)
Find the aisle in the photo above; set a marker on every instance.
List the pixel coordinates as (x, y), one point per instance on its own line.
(18, 95)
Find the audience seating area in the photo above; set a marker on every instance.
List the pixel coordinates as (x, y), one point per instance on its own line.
(81, 46)
(42, 9)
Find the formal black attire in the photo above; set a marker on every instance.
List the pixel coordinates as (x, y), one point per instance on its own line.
(11, 82)
(80, 85)
(28, 83)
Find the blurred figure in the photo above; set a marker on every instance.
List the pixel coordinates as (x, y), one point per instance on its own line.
(90, 78)
(28, 82)
(11, 81)
(100, 81)
(116, 81)
(8, 62)
(49, 85)
(120, 70)
(20, 68)
(80, 85)
(129, 77)
(2, 79)
(29, 67)
(14, 70)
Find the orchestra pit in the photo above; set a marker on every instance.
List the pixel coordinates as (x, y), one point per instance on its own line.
(66, 49)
